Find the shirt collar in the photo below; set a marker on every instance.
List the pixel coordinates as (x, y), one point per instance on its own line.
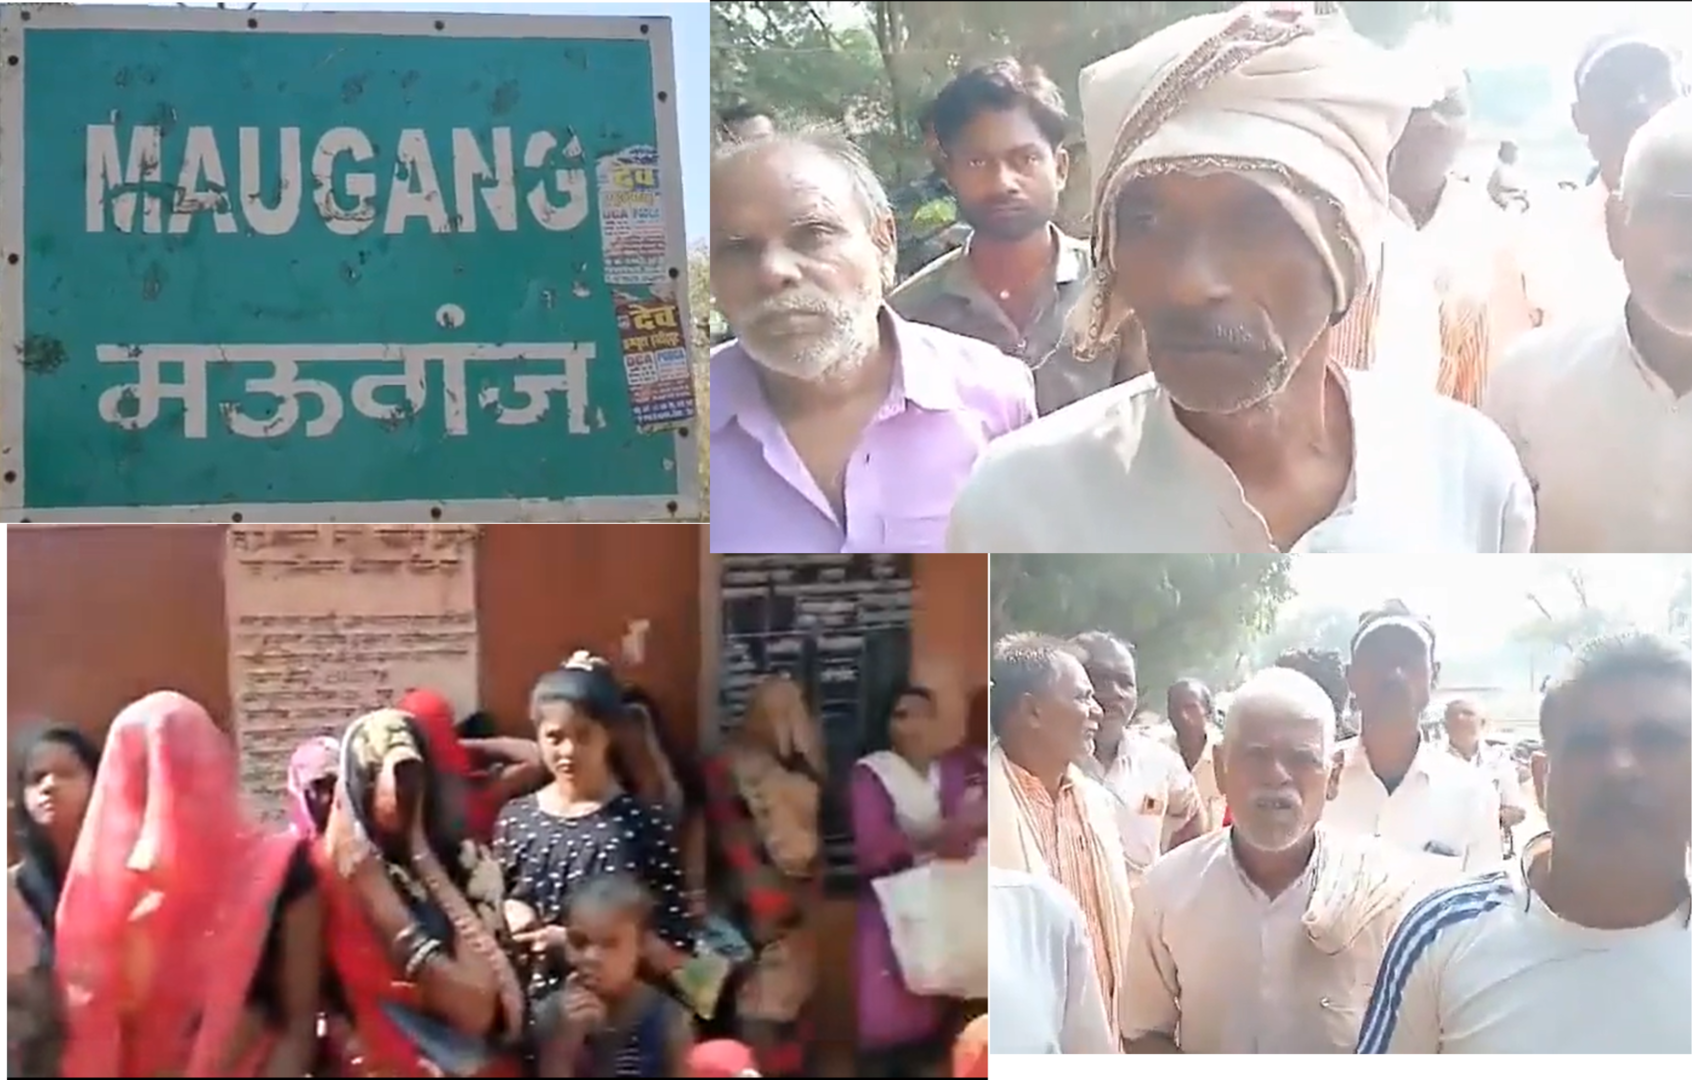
(1539, 849)
(1030, 783)
(919, 379)
(1312, 869)
(1426, 753)
(1373, 445)
(1484, 754)
(1072, 258)
(1092, 767)
(1633, 360)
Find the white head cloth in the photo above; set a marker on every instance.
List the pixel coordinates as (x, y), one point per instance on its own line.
(1298, 102)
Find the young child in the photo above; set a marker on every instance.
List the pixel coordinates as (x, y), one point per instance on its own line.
(607, 1021)
(583, 825)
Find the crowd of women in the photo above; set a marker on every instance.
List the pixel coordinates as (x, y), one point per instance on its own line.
(447, 901)
(444, 901)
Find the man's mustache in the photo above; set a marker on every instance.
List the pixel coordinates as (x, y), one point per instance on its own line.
(1198, 331)
(791, 304)
(1620, 803)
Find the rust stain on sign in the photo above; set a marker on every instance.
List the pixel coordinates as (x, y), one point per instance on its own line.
(327, 622)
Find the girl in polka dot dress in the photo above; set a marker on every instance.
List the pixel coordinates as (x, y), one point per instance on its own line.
(584, 825)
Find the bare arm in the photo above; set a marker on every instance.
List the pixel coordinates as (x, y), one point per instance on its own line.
(301, 978)
(1184, 816)
(461, 991)
(517, 769)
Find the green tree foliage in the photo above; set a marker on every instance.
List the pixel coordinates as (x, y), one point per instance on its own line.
(1310, 628)
(873, 64)
(700, 310)
(1185, 614)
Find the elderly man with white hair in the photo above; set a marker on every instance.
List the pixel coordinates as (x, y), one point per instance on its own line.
(1264, 937)
(1237, 220)
(836, 426)
(1600, 406)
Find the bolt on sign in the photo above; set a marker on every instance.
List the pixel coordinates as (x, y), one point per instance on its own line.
(327, 266)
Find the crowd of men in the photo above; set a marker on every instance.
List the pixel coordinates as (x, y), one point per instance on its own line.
(1260, 886)
(1292, 328)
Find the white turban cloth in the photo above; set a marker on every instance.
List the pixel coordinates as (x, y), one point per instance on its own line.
(1298, 103)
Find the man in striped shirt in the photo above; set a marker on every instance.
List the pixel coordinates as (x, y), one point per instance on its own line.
(1586, 953)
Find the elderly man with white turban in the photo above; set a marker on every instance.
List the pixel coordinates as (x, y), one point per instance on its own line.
(1236, 219)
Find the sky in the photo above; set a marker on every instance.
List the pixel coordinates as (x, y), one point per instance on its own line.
(1475, 602)
(691, 37)
(1495, 33)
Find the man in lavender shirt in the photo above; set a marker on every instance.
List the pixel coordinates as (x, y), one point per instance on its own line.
(836, 426)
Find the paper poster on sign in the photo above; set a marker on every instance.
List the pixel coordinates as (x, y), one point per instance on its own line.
(655, 362)
(631, 216)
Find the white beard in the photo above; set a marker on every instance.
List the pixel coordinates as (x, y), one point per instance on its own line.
(847, 333)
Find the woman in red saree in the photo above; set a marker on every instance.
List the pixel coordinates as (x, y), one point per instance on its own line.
(171, 895)
(414, 919)
(479, 792)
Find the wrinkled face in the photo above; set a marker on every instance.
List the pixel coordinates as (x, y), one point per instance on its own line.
(1428, 149)
(1618, 768)
(1626, 87)
(1007, 177)
(1229, 290)
(56, 787)
(1462, 727)
(1065, 714)
(1111, 670)
(574, 746)
(1276, 774)
(798, 264)
(1391, 675)
(1185, 705)
(1653, 239)
(602, 946)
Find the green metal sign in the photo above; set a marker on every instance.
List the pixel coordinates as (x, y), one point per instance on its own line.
(340, 266)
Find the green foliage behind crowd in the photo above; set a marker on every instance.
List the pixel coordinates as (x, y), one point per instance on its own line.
(1186, 615)
(873, 66)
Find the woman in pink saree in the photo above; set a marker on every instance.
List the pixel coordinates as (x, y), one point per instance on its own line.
(167, 905)
(923, 799)
(311, 785)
